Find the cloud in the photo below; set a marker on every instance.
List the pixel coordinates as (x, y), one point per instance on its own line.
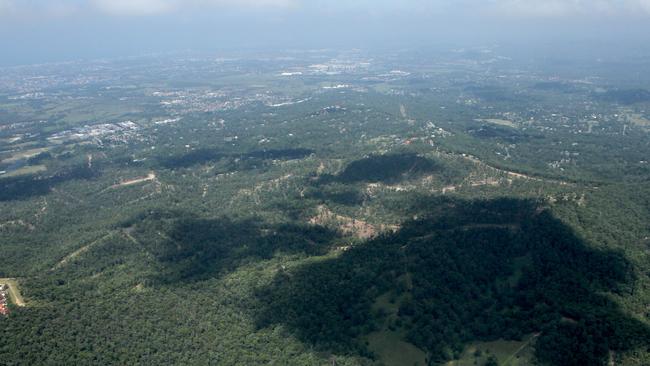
(645, 4)
(547, 8)
(6, 7)
(156, 7)
(136, 7)
(37, 9)
(387, 8)
(566, 8)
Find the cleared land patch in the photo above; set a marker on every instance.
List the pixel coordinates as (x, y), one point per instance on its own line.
(393, 350)
(348, 225)
(150, 177)
(508, 353)
(26, 154)
(639, 120)
(497, 121)
(390, 345)
(14, 291)
(31, 169)
(16, 223)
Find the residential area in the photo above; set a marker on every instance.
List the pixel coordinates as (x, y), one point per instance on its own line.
(9, 293)
(4, 299)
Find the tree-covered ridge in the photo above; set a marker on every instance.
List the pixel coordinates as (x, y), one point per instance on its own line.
(388, 168)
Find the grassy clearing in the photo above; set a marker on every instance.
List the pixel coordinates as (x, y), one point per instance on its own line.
(500, 122)
(382, 88)
(383, 302)
(26, 154)
(639, 120)
(14, 291)
(390, 346)
(508, 353)
(519, 265)
(32, 169)
(10, 140)
(393, 350)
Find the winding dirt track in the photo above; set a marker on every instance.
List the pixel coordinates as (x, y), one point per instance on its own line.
(79, 252)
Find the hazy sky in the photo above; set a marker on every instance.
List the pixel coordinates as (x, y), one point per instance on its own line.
(33, 31)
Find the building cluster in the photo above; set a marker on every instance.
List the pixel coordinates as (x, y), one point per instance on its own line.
(207, 101)
(4, 299)
(339, 66)
(112, 132)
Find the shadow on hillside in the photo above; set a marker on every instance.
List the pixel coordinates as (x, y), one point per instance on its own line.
(195, 157)
(625, 96)
(243, 161)
(468, 271)
(24, 187)
(389, 168)
(190, 249)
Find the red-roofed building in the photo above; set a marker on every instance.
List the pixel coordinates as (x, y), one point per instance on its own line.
(4, 309)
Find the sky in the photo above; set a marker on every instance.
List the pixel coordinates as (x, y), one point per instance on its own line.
(36, 31)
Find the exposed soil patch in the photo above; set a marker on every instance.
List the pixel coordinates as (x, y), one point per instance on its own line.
(16, 223)
(348, 225)
(150, 177)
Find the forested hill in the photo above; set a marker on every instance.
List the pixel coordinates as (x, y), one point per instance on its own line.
(475, 271)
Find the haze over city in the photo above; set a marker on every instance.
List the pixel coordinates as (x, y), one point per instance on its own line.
(61, 30)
